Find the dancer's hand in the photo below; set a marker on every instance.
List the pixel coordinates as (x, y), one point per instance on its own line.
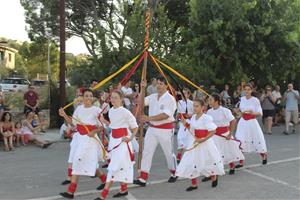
(92, 133)
(145, 118)
(61, 112)
(228, 137)
(127, 139)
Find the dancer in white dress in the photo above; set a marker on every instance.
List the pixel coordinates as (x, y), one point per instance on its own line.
(228, 147)
(202, 156)
(248, 129)
(185, 110)
(86, 150)
(124, 127)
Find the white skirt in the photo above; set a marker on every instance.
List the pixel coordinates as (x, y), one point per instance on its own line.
(73, 147)
(251, 136)
(184, 137)
(229, 149)
(87, 155)
(204, 160)
(120, 168)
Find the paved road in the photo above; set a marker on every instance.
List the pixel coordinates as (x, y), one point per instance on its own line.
(31, 173)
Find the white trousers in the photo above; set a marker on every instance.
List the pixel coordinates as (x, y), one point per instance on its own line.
(155, 136)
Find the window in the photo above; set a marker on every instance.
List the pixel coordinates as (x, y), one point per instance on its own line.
(9, 57)
(1, 55)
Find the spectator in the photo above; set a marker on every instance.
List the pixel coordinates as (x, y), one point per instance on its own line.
(151, 89)
(31, 103)
(225, 95)
(291, 97)
(1, 103)
(278, 107)
(28, 131)
(19, 134)
(7, 129)
(78, 99)
(127, 91)
(213, 89)
(237, 94)
(135, 98)
(268, 106)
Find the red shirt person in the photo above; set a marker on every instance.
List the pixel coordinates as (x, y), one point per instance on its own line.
(31, 101)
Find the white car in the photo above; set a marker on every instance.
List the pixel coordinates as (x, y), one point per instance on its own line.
(14, 84)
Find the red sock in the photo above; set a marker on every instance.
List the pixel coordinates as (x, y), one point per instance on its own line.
(194, 181)
(179, 155)
(241, 162)
(144, 176)
(72, 188)
(103, 178)
(123, 187)
(213, 177)
(69, 172)
(172, 171)
(263, 155)
(231, 165)
(104, 193)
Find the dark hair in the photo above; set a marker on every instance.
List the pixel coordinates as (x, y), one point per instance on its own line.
(88, 90)
(162, 79)
(216, 97)
(186, 89)
(121, 95)
(17, 124)
(4, 114)
(248, 85)
(27, 113)
(134, 89)
(200, 101)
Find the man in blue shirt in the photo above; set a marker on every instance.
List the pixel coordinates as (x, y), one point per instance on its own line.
(291, 98)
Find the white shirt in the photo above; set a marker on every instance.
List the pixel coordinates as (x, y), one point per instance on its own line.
(184, 106)
(121, 118)
(276, 94)
(165, 104)
(87, 116)
(205, 122)
(252, 104)
(126, 91)
(221, 116)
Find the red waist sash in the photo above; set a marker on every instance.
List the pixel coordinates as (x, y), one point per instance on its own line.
(85, 129)
(247, 116)
(119, 132)
(163, 126)
(221, 130)
(200, 133)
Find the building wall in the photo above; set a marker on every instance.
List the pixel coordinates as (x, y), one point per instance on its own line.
(7, 57)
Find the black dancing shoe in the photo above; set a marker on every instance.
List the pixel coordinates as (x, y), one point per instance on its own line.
(239, 166)
(67, 195)
(45, 146)
(173, 179)
(119, 194)
(191, 188)
(104, 166)
(66, 182)
(214, 183)
(100, 187)
(205, 179)
(138, 182)
(264, 162)
(99, 198)
(231, 171)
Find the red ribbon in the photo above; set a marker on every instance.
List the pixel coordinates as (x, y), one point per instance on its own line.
(222, 130)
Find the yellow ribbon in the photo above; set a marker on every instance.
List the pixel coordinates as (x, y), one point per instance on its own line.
(180, 75)
(101, 83)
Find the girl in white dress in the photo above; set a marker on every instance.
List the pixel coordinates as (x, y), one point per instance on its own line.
(124, 127)
(228, 147)
(86, 150)
(185, 110)
(202, 156)
(248, 129)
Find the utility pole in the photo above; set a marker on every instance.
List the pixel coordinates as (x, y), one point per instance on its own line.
(62, 66)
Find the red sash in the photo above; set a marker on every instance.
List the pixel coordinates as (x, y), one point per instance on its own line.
(163, 126)
(200, 133)
(119, 132)
(247, 116)
(85, 129)
(221, 130)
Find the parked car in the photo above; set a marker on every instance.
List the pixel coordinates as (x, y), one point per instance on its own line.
(14, 84)
(38, 83)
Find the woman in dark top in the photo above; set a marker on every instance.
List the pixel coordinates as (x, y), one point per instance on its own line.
(7, 130)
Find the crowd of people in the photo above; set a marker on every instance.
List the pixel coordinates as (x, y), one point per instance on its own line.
(17, 132)
(214, 130)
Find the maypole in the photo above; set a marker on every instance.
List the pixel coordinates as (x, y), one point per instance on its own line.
(144, 72)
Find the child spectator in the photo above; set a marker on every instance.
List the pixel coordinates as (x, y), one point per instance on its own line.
(19, 134)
